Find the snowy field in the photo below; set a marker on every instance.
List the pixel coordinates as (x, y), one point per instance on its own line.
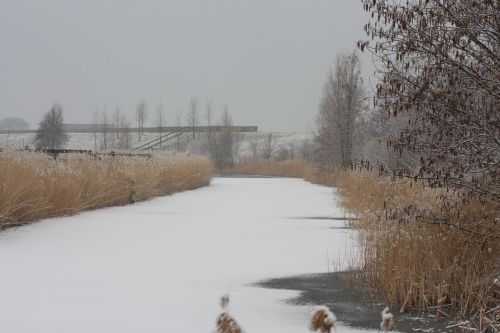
(86, 141)
(162, 265)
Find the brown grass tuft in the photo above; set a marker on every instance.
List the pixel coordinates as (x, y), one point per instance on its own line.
(322, 320)
(227, 324)
(34, 186)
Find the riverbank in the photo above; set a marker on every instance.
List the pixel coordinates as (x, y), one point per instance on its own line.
(36, 186)
(337, 291)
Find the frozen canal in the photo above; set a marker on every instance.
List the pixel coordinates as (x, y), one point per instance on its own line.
(162, 265)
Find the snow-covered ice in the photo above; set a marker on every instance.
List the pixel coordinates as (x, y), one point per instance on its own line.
(162, 265)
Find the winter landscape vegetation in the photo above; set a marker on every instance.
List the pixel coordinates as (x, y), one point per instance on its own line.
(344, 177)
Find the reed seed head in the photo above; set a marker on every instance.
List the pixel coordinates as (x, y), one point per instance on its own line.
(224, 301)
(387, 320)
(227, 324)
(322, 320)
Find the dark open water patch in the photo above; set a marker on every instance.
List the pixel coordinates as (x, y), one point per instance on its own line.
(349, 303)
(341, 228)
(246, 176)
(328, 218)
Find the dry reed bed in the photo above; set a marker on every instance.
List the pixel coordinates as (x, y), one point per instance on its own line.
(444, 265)
(417, 254)
(34, 186)
(290, 168)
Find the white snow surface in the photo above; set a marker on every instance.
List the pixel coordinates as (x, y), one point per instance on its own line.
(162, 265)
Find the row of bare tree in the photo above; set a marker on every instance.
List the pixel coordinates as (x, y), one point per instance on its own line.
(110, 131)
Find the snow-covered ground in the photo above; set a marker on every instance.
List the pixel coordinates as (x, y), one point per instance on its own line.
(162, 265)
(281, 140)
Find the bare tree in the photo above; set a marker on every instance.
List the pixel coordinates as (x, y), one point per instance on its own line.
(340, 106)
(141, 114)
(51, 133)
(160, 119)
(227, 143)
(306, 149)
(124, 141)
(105, 127)
(209, 116)
(96, 127)
(116, 117)
(209, 112)
(268, 147)
(254, 147)
(178, 118)
(192, 115)
(285, 152)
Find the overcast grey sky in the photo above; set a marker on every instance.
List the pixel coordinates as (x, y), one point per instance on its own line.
(265, 59)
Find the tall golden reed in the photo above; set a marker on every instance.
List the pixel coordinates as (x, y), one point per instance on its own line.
(35, 186)
(288, 168)
(442, 265)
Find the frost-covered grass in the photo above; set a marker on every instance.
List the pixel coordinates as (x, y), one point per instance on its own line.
(35, 186)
